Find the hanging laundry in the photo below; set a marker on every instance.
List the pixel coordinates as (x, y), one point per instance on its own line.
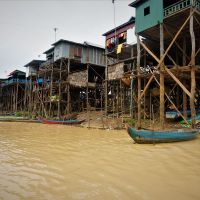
(108, 42)
(119, 48)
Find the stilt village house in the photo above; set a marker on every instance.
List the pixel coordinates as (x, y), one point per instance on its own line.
(155, 77)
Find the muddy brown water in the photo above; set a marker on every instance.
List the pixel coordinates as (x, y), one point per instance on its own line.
(58, 162)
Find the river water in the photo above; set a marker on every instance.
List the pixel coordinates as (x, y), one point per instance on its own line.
(58, 162)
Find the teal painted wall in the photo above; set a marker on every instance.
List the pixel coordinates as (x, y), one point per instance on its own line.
(150, 20)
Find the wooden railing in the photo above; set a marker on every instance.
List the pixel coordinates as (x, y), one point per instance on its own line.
(170, 10)
(15, 80)
(197, 4)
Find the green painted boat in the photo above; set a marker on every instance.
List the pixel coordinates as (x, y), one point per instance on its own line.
(151, 137)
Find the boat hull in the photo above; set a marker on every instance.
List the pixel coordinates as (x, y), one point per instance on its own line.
(151, 137)
(67, 122)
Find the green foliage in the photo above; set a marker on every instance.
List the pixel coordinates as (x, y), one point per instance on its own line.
(19, 114)
(129, 121)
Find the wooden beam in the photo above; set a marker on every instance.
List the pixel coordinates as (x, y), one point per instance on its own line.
(150, 52)
(163, 57)
(177, 81)
(106, 86)
(139, 82)
(162, 83)
(170, 99)
(59, 89)
(184, 94)
(68, 88)
(197, 20)
(193, 81)
(172, 59)
(176, 43)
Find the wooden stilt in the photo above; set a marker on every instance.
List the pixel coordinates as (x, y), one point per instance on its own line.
(193, 81)
(87, 93)
(59, 89)
(184, 94)
(51, 88)
(106, 86)
(68, 88)
(139, 82)
(160, 61)
(162, 85)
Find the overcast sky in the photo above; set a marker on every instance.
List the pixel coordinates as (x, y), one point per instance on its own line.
(26, 26)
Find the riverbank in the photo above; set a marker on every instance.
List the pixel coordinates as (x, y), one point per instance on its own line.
(97, 120)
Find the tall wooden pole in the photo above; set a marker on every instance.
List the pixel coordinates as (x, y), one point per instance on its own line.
(59, 88)
(193, 81)
(87, 93)
(17, 95)
(68, 88)
(51, 88)
(162, 83)
(184, 94)
(106, 86)
(139, 81)
(145, 65)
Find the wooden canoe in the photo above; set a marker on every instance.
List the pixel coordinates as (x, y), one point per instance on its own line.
(151, 137)
(64, 122)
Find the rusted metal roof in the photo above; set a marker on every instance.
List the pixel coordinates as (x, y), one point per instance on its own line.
(121, 27)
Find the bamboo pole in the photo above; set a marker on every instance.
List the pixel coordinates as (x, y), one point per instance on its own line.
(17, 94)
(59, 89)
(106, 86)
(184, 94)
(68, 87)
(51, 88)
(193, 81)
(139, 82)
(162, 85)
(87, 93)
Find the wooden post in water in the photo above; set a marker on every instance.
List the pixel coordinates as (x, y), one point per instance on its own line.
(51, 88)
(59, 88)
(68, 88)
(162, 84)
(193, 81)
(184, 82)
(139, 82)
(145, 65)
(17, 95)
(87, 93)
(106, 86)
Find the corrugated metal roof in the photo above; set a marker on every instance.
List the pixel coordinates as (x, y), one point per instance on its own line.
(16, 72)
(93, 45)
(49, 50)
(131, 21)
(34, 63)
(81, 44)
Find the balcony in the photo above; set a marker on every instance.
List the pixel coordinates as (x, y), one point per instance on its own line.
(181, 5)
(15, 80)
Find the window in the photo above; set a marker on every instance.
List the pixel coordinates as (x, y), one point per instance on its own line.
(147, 11)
